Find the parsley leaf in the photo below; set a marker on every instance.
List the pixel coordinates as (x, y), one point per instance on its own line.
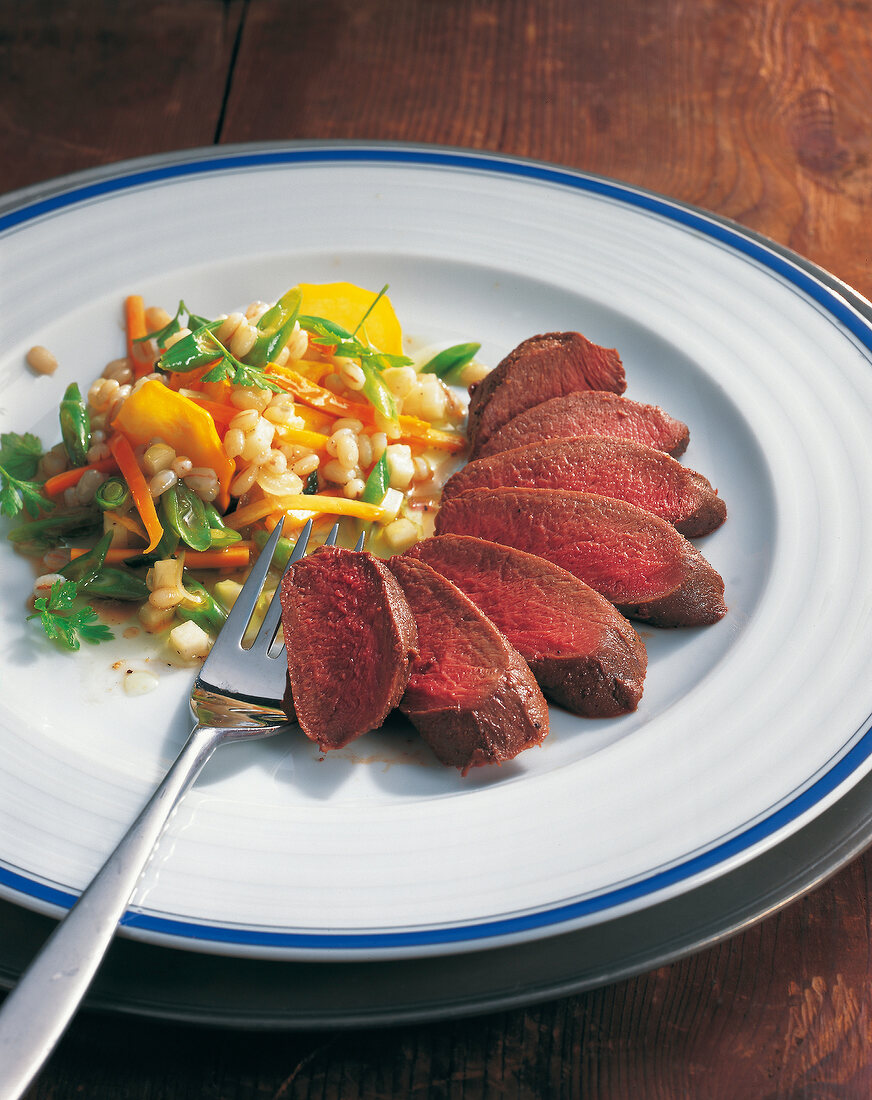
(202, 347)
(19, 457)
(63, 623)
(346, 345)
(20, 454)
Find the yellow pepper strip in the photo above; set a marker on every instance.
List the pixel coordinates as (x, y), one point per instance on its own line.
(120, 447)
(305, 438)
(313, 420)
(313, 369)
(293, 520)
(336, 506)
(413, 430)
(154, 410)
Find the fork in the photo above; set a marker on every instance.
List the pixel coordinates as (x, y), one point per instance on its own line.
(237, 696)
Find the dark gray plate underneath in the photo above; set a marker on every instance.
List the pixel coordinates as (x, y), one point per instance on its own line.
(168, 984)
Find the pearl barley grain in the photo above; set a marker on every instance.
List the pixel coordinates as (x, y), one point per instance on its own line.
(41, 360)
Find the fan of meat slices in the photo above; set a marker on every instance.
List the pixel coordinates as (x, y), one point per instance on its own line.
(571, 517)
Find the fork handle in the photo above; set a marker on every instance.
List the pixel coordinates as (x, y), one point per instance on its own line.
(37, 1011)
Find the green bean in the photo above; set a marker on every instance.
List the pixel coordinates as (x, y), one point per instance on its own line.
(84, 569)
(116, 584)
(209, 615)
(75, 426)
(284, 548)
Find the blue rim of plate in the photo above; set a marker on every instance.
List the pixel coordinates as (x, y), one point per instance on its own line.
(842, 303)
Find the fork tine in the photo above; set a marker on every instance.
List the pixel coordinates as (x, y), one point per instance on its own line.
(331, 538)
(240, 614)
(270, 623)
(361, 542)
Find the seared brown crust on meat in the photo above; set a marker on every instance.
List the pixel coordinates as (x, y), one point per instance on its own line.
(634, 472)
(471, 695)
(590, 413)
(350, 638)
(542, 367)
(582, 651)
(638, 561)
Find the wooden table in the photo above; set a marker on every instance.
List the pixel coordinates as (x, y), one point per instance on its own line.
(756, 109)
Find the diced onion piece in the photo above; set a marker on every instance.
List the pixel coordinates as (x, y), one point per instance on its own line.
(190, 641)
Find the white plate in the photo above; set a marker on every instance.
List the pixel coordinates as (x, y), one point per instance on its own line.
(747, 730)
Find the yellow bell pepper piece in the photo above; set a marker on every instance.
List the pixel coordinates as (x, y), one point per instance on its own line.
(345, 304)
(155, 410)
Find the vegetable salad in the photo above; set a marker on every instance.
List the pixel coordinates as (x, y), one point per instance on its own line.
(179, 460)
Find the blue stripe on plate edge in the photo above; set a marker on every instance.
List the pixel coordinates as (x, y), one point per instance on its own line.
(711, 227)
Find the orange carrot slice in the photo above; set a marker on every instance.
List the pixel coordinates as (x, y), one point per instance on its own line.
(58, 484)
(134, 322)
(142, 498)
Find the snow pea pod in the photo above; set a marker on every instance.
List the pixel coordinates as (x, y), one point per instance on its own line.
(112, 494)
(209, 615)
(53, 527)
(448, 363)
(378, 481)
(116, 584)
(222, 535)
(84, 569)
(274, 329)
(75, 426)
(183, 511)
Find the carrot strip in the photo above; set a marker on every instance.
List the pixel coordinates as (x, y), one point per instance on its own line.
(221, 414)
(138, 486)
(178, 379)
(232, 557)
(337, 506)
(134, 320)
(56, 485)
(317, 397)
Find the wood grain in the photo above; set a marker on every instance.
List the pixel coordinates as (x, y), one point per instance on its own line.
(757, 109)
(89, 83)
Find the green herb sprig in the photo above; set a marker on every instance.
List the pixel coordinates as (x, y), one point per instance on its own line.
(19, 456)
(203, 346)
(64, 623)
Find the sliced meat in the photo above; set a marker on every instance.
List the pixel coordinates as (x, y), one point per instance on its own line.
(592, 413)
(551, 365)
(636, 560)
(618, 468)
(471, 695)
(583, 653)
(350, 639)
